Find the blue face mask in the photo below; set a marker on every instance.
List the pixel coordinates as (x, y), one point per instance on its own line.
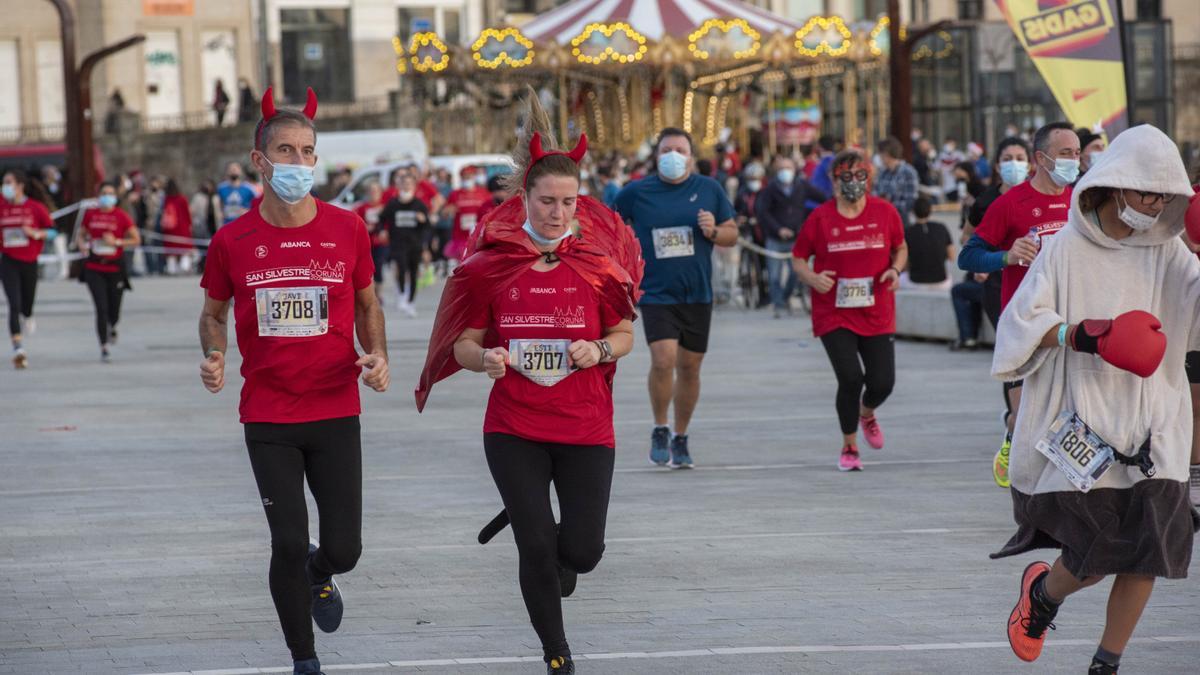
(108, 201)
(291, 182)
(539, 239)
(1065, 171)
(1014, 172)
(9, 191)
(786, 176)
(672, 165)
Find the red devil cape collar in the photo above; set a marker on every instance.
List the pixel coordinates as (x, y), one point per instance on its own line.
(605, 254)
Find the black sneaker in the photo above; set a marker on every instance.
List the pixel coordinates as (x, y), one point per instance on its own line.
(680, 459)
(326, 601)
(560, 665)
(307, 667)
(660, 442)
(1099, 667)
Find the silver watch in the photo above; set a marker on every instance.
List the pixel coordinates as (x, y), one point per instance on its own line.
(606, 352)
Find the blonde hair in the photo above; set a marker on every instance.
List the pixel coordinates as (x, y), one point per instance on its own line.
(537, 120)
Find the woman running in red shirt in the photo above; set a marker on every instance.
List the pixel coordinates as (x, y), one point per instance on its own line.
(544, 305)
(25, 225)
(857, 245)
(105, 233)
(177, 227)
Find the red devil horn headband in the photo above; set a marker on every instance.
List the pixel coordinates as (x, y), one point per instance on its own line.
(536, 154)
(269, 111)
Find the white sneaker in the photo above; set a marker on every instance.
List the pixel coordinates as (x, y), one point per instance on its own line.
(28, 325)
(410, 311)
(1194, 484)
(20, 360)
(401, 304)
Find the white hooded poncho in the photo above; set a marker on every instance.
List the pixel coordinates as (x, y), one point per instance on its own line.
(1127, 523)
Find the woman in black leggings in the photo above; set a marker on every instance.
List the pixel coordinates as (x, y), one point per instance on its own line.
(105, 233)
(857, 245)
(25, 225)
(545, 311)
(407, 220)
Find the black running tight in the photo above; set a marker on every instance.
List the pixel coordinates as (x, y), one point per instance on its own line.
(106, 289)
(329, 454)
(878, 358)
(407, 256)
(20, 285)
(582, 476)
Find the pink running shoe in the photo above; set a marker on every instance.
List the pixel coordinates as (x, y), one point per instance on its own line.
(872, 432)
(849, 460)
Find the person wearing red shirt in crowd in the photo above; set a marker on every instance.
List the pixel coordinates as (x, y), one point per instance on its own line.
(426, 191)
(105, 233)
(857, 245)
(1014, 229)
(369, 211)
(298, 272)
(465, 205)
(25, 225)
(176, 223)
(545, 310)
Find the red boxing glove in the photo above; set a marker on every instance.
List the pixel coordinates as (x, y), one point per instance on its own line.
(1191, 219)
(1132, 341)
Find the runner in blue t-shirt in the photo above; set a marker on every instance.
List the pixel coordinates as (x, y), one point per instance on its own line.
(678, 217)
(235, 194)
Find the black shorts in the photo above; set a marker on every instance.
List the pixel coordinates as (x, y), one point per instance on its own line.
(1192, 364)
(687, 323)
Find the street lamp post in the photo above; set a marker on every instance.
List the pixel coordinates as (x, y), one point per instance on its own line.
(74, 113)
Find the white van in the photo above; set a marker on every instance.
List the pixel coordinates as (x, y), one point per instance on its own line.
(359, 149)
(356, 190)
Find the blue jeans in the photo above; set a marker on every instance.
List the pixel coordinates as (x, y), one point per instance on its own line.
(776, 269)
(967, 298)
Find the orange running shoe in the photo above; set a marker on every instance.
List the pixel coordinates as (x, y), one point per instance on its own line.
(1029, 620)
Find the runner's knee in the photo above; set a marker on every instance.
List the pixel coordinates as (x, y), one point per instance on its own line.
(580, 557)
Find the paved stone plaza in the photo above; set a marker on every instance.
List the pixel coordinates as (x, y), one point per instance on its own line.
(133, 541)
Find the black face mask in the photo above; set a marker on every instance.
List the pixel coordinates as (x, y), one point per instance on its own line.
(234, 179)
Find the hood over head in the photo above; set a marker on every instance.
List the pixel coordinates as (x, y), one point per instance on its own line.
(1140, 158)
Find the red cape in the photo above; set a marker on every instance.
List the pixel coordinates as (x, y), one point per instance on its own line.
(604, 253)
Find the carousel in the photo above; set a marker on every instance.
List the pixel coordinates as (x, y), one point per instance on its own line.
(619, 71)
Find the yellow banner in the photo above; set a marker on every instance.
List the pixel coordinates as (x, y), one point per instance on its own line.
(1076, 46)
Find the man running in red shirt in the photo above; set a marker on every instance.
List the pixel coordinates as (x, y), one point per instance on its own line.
(299, 274)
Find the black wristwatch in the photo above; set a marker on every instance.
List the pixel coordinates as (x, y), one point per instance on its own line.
(606, 352)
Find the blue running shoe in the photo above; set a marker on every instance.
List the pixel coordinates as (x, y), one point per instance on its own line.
(307, 667)
(680, 459)
(326, 601)
(660, 442)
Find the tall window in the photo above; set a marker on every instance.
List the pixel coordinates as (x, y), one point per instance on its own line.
(415, 20)
(1149, 9)
(316, 53)
(970, 10)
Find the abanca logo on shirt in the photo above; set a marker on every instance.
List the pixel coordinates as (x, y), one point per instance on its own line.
(296, 244)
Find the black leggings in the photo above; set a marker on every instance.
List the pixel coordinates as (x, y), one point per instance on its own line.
(878, 353)
(107, 288)
(20, 285)
(329, 454)
(407, 256)
(582, 476)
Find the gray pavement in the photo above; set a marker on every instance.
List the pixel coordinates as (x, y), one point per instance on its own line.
(132, 540)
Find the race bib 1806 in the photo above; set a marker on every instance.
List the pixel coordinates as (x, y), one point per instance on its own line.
(467, 221)
(293, 312)
(103, 250)
(546, 362)
(1076, 450)
(405, 219)
(14, 237)
(674, 242)
(854, 293)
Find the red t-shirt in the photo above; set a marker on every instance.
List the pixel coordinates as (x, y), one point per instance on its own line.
(96, 223)
(578, 410)
(471, 203)
(1015, 214)
(293, 373)
(15, 243)
(854, 249)
(370, 215)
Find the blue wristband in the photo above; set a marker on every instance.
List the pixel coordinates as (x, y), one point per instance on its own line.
(1062, 335)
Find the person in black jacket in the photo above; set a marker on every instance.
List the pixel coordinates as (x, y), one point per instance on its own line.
(781, 212)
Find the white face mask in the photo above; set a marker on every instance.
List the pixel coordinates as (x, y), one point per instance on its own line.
(1132, 217)
(754, 185)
